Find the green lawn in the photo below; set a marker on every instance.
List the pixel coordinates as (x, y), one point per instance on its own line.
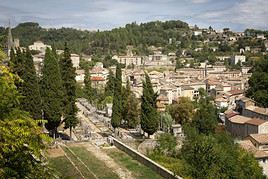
(64, 168)
(95, 165)
(138, 170)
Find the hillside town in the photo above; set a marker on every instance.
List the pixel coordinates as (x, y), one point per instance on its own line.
(176, 75)
(86, 95)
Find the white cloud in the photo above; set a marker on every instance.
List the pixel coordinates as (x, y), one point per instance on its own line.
(247, 13)
(199, 1)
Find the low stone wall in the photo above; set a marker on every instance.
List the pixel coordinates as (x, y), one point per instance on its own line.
(143, 159)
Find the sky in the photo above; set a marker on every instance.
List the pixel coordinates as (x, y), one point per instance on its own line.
(107, 14)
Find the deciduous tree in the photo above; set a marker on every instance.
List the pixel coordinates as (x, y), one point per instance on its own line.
(258, 83)
(21, 141)
(182, 112)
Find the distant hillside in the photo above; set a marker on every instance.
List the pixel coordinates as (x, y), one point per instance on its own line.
(153, 33)
(172, 36)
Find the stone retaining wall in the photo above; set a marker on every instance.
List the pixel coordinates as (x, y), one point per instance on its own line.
(143, 159)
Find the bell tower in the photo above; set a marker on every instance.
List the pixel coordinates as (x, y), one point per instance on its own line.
(10, 43)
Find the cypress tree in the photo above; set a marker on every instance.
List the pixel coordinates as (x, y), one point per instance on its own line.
(22, 64)
(117, 99)
(130, 113)
(149, 114)
(88, 88)
(125, 95)
(109, 88)
(69, 87)
(29, 88)
(51, 92)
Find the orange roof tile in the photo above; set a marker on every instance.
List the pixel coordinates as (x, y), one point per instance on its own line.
(97, 78)
(256, 122)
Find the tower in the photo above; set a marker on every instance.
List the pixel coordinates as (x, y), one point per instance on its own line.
(10, 43)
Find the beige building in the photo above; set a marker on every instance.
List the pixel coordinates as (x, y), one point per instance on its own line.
(257, 144)
(246, 107)
(39, 46)
(158, 56)
(241, 126)
(80, 75)
(129, 60)
(75, 60)
(236, 125)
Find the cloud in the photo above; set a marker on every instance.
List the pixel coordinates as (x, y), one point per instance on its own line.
(107, 14)
(247, 13)
(199, 1)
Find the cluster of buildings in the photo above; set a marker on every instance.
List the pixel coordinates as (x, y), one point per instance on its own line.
(155, 60)
(39, 56)
(243, 119)
(248, 123)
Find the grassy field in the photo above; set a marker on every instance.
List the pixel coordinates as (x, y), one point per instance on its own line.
(76, 162)
(68, 171)
(88, 166)
(95, 165)
(138, 170)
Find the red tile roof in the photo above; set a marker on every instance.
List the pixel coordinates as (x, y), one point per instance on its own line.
(231, 114)
(97, 78)
(235, 92)
(256, 122)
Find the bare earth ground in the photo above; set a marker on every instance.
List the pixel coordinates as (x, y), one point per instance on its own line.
(109, 162)
(55, 152)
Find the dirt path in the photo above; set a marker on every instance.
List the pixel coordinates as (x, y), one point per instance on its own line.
(122, 172)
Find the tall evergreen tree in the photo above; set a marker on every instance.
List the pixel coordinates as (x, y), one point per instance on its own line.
(22, 64)
(125, 94)
(51, 92)
(109, 88)
(117, 99)
(88, 91)
(130, 114)
(29, 88)
(149, 114)
(69, 87)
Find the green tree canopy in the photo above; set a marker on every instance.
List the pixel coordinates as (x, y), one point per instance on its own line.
(88, 91)
(117, 99)
(51, 91)
(69, 87)
(109, 88)
(258, 83)
(216, 156)
(149, 114)
(29, 87)
(183, 111)
(205, 118)
(130, 113)
(22, 140)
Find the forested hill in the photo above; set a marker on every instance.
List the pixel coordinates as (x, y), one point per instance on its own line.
(105, 42)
